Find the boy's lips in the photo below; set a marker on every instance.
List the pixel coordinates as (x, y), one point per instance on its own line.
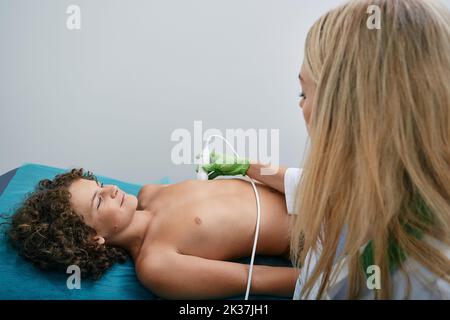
(123, 197)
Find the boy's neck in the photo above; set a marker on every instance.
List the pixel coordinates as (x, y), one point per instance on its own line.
(133, 236)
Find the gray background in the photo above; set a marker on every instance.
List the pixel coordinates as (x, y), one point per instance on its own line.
(107, 97)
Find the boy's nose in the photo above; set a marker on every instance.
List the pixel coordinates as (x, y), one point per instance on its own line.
(115, 190)
(112, 191)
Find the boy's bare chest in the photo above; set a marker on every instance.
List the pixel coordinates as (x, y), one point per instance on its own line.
(201, 221)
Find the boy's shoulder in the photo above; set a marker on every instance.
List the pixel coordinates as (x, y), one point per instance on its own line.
(147, 192)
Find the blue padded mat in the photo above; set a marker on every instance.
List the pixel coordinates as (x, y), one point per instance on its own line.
(19, 279)
(4, 179)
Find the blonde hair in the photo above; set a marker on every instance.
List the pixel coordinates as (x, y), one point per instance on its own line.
(380, 132)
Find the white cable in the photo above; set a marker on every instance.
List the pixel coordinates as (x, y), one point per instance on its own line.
(258, 218)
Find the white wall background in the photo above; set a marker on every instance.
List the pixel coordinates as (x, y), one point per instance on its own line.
(108, 97)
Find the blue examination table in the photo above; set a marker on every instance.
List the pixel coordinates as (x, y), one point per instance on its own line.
(20, 279)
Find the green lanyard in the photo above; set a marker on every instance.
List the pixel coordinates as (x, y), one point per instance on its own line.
(396, 255)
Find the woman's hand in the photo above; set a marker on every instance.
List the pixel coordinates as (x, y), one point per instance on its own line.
(222, 165)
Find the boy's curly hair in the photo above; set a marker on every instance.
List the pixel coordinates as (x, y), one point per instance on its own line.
(48, 232)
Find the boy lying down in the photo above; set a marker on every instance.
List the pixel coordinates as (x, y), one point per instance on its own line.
(183, 237)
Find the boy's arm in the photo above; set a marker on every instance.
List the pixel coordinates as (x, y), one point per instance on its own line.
(277, 281)
(176, 276)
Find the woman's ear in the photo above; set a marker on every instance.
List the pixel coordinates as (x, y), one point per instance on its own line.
(99, 240)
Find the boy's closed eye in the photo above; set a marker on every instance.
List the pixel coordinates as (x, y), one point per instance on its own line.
(99, 198)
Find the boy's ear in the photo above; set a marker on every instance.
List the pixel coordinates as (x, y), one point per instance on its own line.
(100, 240)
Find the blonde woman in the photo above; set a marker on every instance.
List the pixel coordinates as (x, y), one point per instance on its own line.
(373, 197)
